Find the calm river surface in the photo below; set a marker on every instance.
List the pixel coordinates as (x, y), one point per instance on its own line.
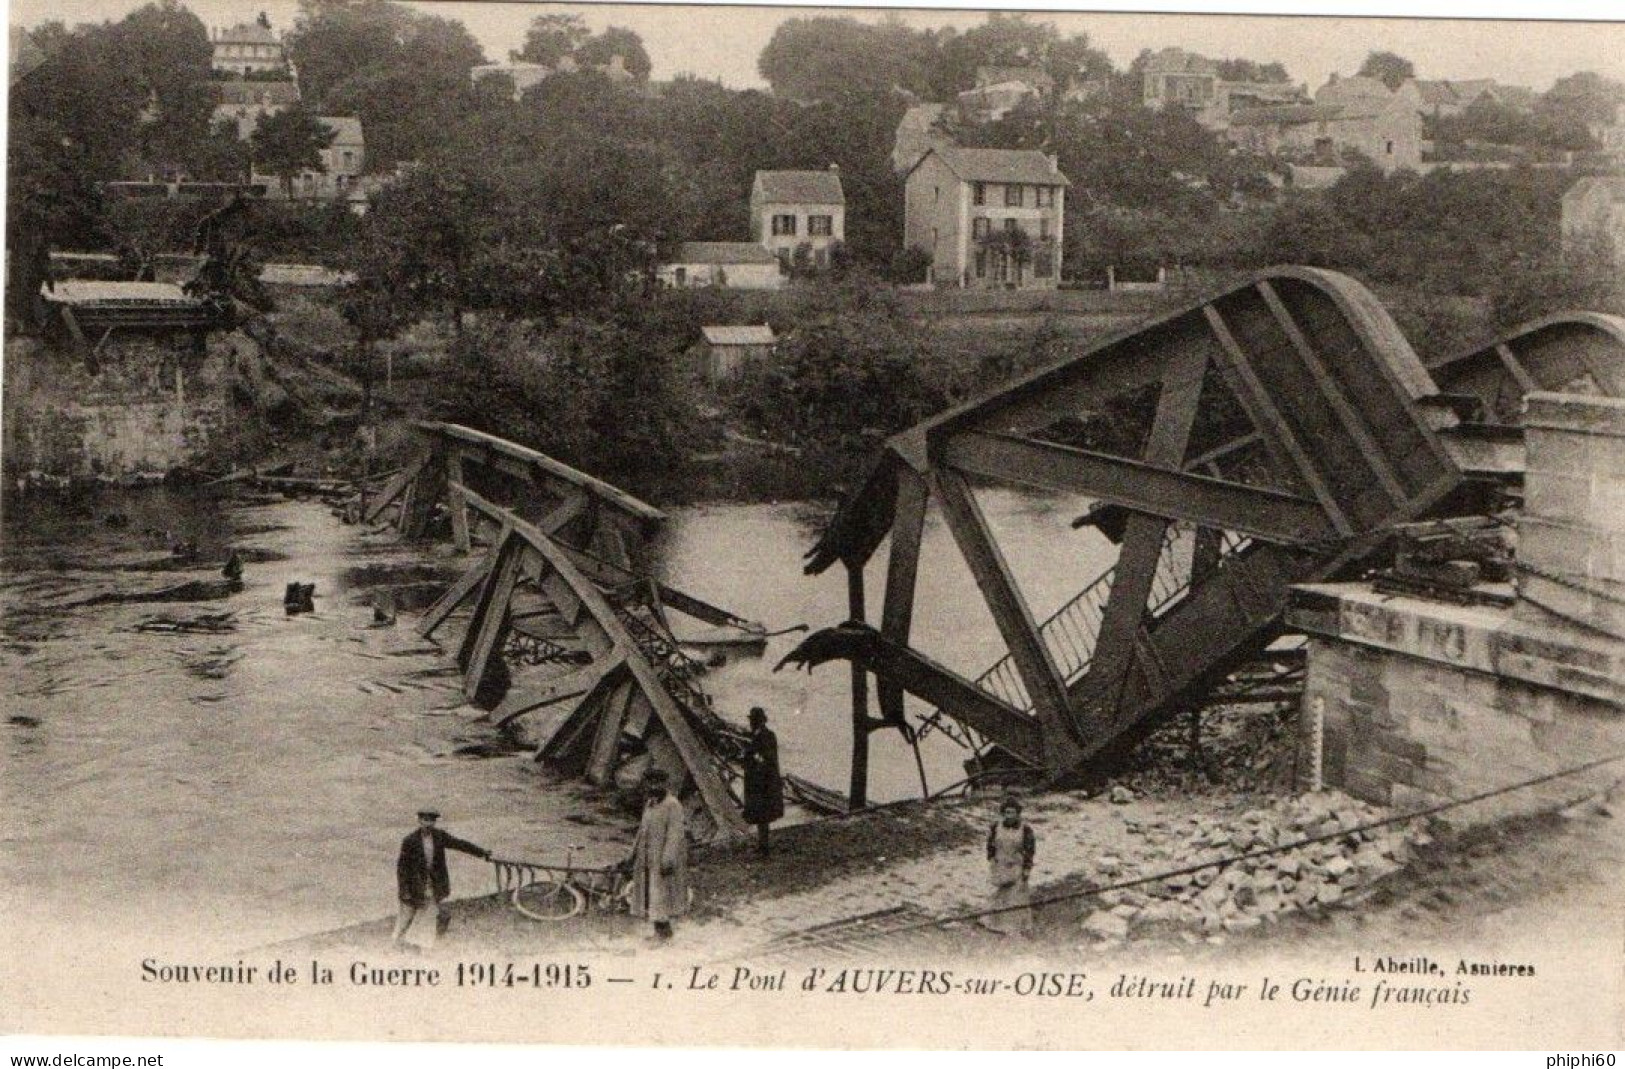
(183, 758)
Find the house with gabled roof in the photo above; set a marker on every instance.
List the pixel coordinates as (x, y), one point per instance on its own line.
(248, 49)
(1173, 77)
(798, 216)
(987, 217)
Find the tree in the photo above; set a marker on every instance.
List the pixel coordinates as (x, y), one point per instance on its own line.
(422, 235)
(1389, 68)
(1566, 113)
(288, 142)
(1076, 59)
(824, 58)
(1013, 247)
(170, 58)
(403, 73)
(1246, 70)
(551, 38)
(74, 120)
(335, 39)
(372, 310)
(1542, 281)
(599, 50)
(1002, 41)
(849, 373)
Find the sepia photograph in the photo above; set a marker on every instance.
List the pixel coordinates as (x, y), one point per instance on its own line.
(694, 525)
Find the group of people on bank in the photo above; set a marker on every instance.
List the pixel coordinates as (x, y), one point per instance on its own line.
(657, 864)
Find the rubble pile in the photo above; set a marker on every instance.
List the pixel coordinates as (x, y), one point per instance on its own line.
(1240, 748)
(1251, 892)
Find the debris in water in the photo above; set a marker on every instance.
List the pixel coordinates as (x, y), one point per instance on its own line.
(299, 598)
(208, 624)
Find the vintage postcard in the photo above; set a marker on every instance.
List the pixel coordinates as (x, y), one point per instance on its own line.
(785, 527)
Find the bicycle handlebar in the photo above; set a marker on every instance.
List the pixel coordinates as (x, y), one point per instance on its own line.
(543, 866)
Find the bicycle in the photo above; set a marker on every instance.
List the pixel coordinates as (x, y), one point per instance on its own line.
(548, 893)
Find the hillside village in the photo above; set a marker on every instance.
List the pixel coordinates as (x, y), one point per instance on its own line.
(471, 213)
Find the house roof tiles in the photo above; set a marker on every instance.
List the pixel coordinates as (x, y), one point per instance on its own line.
(799, 187)
(1007, 166)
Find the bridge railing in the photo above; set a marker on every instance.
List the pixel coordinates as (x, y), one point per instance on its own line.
(1071, 631)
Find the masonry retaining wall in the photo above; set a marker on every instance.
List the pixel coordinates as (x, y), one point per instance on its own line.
(1411, 702)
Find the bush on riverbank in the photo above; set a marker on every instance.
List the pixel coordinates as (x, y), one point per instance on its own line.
(606, 397)
(852, 370)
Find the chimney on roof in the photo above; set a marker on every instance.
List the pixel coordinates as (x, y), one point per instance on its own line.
(1054, 162)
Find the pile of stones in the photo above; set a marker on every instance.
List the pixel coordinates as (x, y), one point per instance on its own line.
(1243, 749)
(1251, 891)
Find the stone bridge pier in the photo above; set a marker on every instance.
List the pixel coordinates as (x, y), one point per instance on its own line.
(1412, 702)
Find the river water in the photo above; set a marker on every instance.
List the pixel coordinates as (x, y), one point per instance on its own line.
(184, 757)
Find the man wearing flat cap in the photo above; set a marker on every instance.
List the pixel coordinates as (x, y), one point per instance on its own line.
(423, 882)
(659, 858)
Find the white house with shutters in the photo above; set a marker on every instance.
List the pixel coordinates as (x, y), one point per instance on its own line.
(798, 214)
(988, 218)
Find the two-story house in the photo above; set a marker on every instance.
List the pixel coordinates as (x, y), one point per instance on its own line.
(248, 49)
(798, 214)
(987, 217)
(1174, 77)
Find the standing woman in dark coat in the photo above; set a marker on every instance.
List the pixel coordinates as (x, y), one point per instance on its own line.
(764, 786)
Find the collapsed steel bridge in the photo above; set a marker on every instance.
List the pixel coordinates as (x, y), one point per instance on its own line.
(561, 585)
(1274, 433)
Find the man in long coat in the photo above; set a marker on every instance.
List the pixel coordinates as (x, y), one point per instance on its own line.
(421, 877)
(764, 784)
(660, 856)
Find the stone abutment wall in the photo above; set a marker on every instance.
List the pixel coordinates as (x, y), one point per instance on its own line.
(1412, 702)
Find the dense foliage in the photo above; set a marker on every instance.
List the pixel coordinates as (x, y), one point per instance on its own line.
(529, 230)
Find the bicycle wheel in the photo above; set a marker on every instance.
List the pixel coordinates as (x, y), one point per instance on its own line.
(548, 900)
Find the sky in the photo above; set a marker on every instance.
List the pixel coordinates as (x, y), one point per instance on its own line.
(722, 42)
